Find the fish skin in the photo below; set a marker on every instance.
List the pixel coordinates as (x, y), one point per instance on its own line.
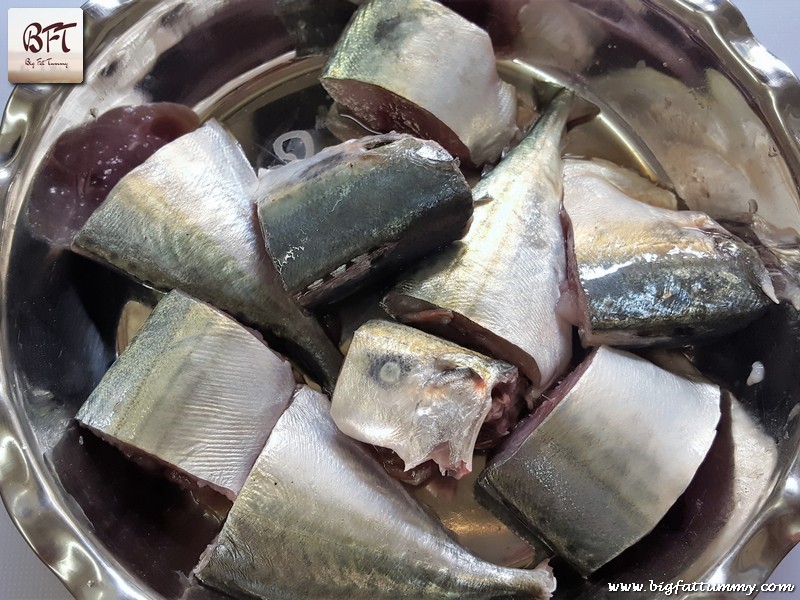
(185, 219)
(384, 70)
(320, 518)
(322, 216)
(496, 290)
(416, 394)
(194, 390)
(584, 468)
(644, 275)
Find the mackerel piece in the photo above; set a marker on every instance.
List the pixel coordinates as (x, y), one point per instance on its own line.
(185, 219)
(417, 395)
(195, 391)
(643, 275)
(586, 173)
(319, 518)
(394, 69)
(497, 289)
(360, 209)
(622, 441)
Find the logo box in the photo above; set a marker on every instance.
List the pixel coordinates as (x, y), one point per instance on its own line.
(45, 45)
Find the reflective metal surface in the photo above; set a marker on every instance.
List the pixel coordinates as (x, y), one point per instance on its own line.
(687, 96)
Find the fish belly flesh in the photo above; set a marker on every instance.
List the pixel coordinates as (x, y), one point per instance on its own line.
(582, 173)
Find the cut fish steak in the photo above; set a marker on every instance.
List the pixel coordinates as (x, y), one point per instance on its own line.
(395, 71)
(195, 391)
(360, 210)
(497, 289)
(597, 466)
(643, 275)
(319, 518)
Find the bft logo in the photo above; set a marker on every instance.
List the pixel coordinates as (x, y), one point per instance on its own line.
(45, 45)
(32, 36)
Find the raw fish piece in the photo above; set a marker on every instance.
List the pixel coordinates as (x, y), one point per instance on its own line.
(319, 518)
(195, 391)
(185, 219)
(418, 395)
(86, 162)
(583, 174)
(643, 275)
(622, 440)
(397, 69)
(360, 210)
(497, 289)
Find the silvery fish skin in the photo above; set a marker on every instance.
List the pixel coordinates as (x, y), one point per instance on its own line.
(497, 289)
(196, 391)
(420, 396)
(326, 229)
(185, 219)
(584, 468)
(643, 275)
(584, 174)
(392, 69)
(319, 518)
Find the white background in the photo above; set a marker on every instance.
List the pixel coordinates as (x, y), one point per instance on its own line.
(776, 23)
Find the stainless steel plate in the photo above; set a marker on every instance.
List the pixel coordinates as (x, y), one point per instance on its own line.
(688, 96)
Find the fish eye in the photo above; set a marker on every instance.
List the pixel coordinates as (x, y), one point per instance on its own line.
(387, 371)
(390, 372)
